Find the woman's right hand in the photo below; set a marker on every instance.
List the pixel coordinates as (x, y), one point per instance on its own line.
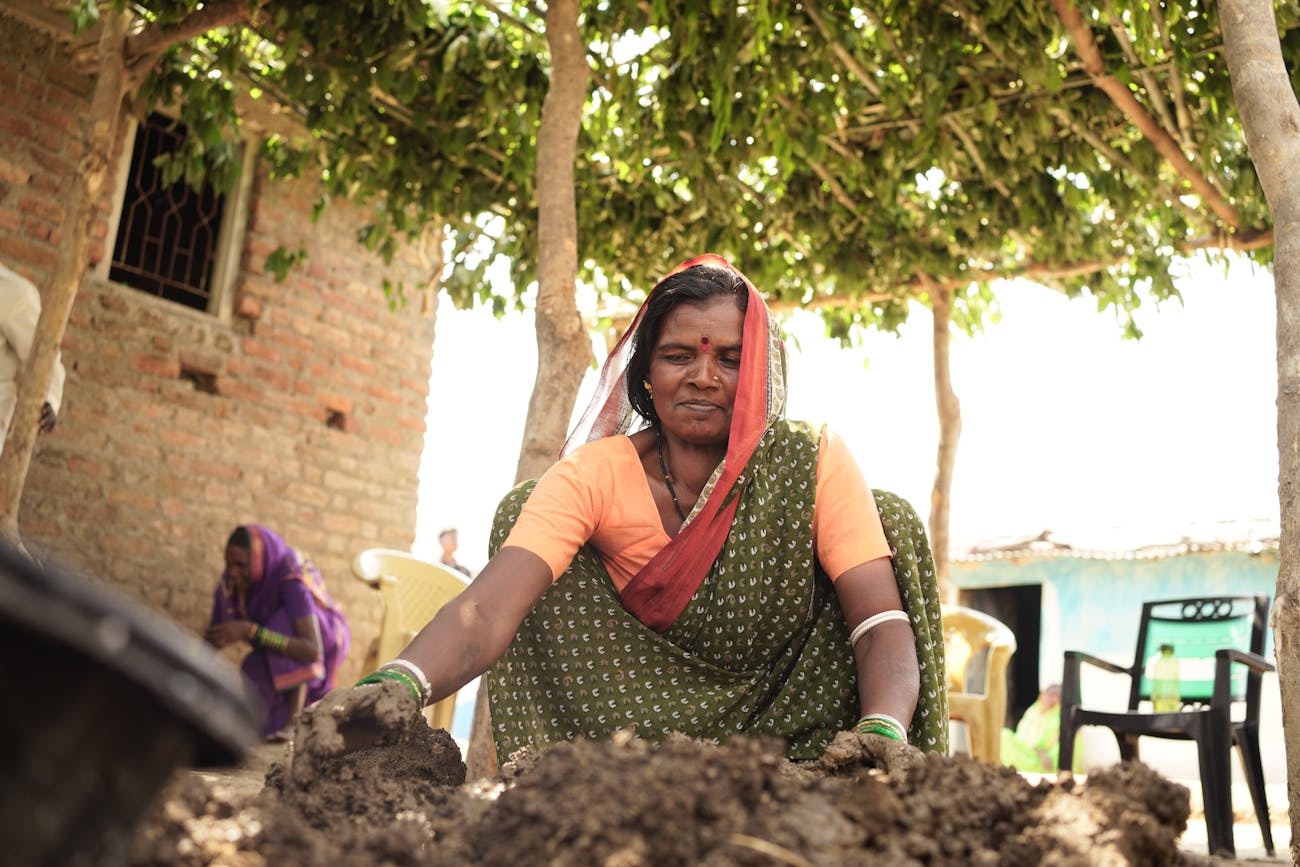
(348, 719)
(892, 756)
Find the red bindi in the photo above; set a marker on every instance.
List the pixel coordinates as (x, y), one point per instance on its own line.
(704, 343)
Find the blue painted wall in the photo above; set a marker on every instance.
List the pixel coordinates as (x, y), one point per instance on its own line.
(1095, 605)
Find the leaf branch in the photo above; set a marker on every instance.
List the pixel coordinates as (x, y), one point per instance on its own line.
(973, 152)
(1145, 74)
(1040, 272)
(1086, 47)
(143, 49)
(1176, 85)
(1118, 158)
(868, 81)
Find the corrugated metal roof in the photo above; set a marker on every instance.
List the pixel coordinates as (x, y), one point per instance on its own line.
(1251, 537)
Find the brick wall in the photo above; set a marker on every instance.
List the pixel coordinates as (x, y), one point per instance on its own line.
(147, 471)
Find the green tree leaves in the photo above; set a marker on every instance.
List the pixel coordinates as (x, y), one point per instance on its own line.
(830, 148)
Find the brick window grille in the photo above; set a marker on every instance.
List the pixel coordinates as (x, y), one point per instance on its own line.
(168, 234)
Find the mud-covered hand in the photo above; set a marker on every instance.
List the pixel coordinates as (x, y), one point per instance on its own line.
(352, 718)
(889, 755)
(48, 418)
(852, 753)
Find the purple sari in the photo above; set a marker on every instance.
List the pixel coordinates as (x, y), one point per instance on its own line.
(285, 587)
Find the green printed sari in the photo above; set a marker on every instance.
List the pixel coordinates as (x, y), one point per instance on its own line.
(760, 649)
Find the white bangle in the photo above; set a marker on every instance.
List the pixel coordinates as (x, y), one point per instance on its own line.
(410, 668)
(873, 621)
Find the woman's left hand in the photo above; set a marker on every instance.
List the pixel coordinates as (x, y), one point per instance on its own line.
(230, 632)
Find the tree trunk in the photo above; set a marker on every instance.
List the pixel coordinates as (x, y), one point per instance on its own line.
(70, 265)
(1270, 117)
(949, 433)
(563, 345)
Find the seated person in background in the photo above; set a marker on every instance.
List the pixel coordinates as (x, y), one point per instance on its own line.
(274, 599)
(1035, 743)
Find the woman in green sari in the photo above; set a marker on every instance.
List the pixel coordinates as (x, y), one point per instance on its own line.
(696, 563)
(1035, 743)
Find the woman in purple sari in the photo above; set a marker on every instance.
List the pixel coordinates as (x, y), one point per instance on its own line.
(274, 599)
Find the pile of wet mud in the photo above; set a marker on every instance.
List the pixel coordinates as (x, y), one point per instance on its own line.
(626, 802)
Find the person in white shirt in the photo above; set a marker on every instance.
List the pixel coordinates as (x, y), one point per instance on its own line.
(20, 307)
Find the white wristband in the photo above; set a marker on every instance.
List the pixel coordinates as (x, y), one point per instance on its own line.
(873, 621)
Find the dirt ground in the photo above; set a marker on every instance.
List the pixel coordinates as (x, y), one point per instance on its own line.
(627, 802)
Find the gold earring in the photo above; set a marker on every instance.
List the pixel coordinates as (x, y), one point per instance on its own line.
(649, 389)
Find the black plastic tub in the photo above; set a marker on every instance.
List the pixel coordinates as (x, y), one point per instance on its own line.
(101, 700)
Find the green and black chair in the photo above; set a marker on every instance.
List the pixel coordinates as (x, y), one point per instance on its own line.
(1219, 642)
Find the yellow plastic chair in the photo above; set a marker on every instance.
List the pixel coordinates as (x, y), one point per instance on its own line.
(412, 591)
(977, 648)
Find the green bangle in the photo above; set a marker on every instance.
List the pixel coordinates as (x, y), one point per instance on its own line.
(877, 729)
(417, 692)
(398, 677)
(403, 678)
(273, 641)
(873, 725)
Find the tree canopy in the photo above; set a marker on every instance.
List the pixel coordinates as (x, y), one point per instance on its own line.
(840, 153)
(849, 156)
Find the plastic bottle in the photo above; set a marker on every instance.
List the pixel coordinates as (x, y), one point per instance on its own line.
(1165, 697)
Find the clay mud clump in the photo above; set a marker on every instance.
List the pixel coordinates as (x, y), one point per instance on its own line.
(626, 802)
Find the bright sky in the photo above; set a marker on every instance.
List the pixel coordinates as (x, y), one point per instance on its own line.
(1065, 425)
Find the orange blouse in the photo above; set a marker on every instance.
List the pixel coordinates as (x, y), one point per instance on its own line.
(599, 494)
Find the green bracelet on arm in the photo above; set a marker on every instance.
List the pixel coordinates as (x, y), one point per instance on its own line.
(273, 641)
(398, 676)
(881, 724)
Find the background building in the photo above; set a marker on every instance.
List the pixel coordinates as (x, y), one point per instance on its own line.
(202, 392)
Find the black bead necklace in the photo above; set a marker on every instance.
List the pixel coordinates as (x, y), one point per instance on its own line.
(663, 468)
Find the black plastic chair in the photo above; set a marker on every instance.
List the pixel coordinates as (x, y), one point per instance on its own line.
(1219, 642)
